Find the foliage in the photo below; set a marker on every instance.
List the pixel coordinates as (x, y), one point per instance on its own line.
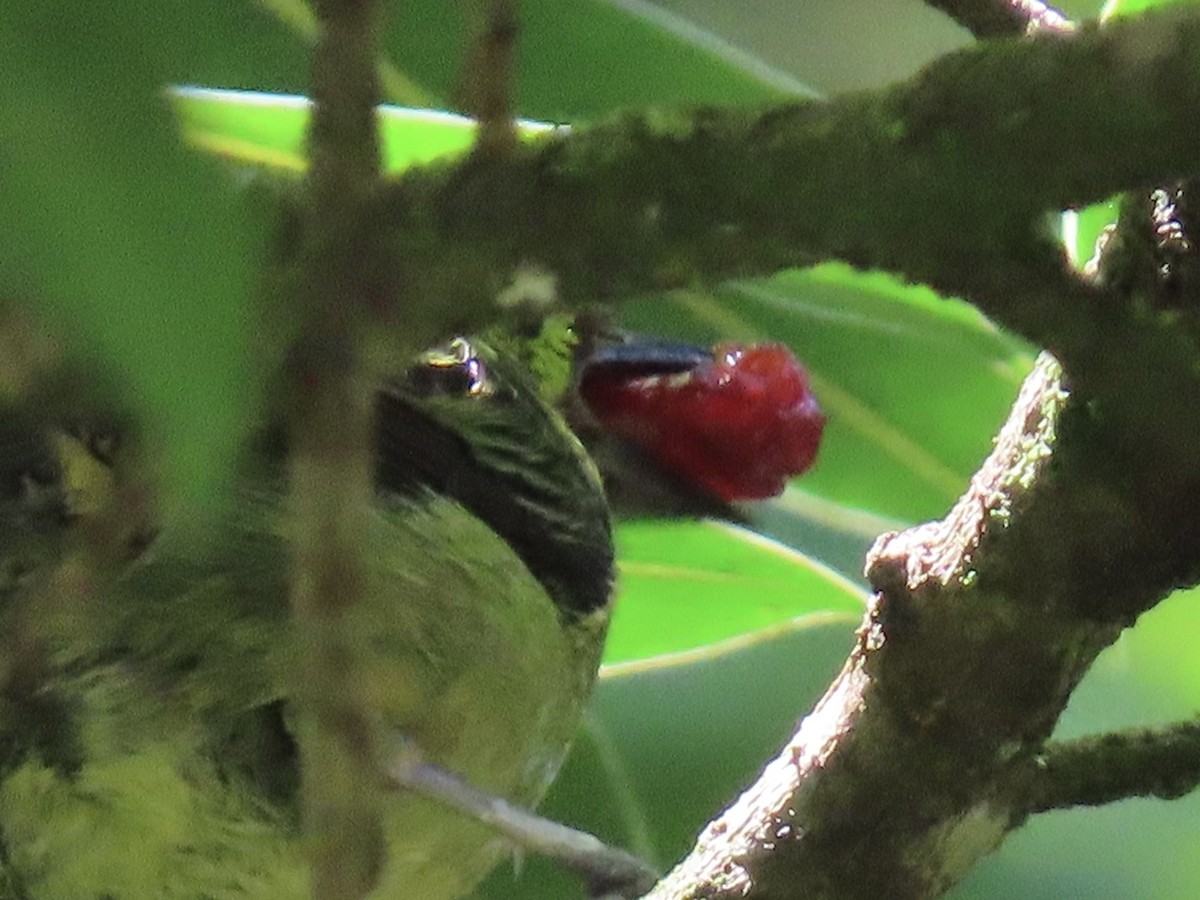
(143, 250)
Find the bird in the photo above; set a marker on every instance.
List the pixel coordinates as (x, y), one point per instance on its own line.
(148, 726)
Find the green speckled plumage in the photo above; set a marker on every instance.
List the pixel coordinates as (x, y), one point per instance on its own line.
(163, 766)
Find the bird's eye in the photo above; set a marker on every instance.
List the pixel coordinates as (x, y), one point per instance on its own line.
(453, 371)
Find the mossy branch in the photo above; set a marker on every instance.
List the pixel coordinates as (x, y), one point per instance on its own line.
(926, 178)
(1140, 762)
(946, 179)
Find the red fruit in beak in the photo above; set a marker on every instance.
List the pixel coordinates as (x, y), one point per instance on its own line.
(738, 422)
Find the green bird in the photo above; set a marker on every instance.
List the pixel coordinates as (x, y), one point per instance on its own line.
(146, 734)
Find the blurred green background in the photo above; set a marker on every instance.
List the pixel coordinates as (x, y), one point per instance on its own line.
(143, 249)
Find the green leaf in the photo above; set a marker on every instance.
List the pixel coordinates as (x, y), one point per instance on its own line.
(684, 585)
(300, 19)
(1081, 229)
(1114, 8)
(580, 64)
(834, 533)
(268, 130)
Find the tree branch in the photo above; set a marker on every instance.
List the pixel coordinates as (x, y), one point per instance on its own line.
(486, 82)
(1150, 762)
(982, 626)
(946, 180)
(331, 464)
(937, 178)
(889, 786)
(1004, 18)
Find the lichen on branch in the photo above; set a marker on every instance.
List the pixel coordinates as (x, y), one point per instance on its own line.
(933, 178)
(1139, 762)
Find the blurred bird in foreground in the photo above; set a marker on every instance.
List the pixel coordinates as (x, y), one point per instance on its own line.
(146, 737)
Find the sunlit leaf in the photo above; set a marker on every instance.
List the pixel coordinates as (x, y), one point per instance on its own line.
(268, 130)
(1082, 229)
(580, 62)
(832, 532)
(684, 585)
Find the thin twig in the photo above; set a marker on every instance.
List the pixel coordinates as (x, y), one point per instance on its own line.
(1092, 771)
(487, 78)
(331, 464)
(607, 870)
(298, 16)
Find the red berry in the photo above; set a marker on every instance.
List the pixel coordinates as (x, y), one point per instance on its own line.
(738, 424)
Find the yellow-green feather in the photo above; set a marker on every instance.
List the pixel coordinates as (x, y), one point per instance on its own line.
(465, 654)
